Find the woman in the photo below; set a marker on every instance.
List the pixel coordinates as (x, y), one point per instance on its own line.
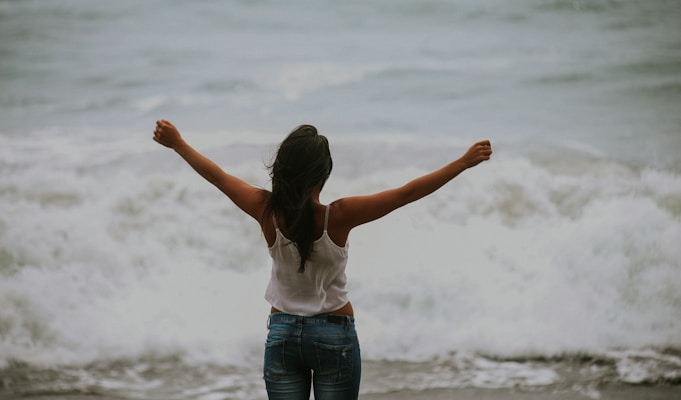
(311, 339)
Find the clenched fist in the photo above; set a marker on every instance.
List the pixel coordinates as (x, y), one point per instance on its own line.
(167, 135)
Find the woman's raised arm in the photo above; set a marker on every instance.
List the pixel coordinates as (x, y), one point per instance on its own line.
(358, 210)
(247, 197)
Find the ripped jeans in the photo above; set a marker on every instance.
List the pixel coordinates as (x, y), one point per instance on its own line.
(320, 351)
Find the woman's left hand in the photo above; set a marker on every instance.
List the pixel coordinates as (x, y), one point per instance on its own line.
(479, 152)
(167, 135)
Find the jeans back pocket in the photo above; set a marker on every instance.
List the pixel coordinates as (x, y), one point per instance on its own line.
(334, 362)
(275, 366)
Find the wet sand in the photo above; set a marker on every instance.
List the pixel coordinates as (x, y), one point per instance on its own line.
(608, 392)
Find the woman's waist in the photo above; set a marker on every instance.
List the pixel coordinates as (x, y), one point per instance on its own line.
(291, 325)
(345, 310)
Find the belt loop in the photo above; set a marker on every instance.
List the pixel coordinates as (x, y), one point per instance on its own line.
(269, 317)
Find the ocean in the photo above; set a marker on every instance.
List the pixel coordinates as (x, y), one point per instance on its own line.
(554, 268)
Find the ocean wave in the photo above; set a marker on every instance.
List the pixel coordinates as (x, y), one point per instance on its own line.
(517, 258)
(173, 378)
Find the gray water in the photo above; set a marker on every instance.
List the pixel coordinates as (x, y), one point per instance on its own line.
(123, 271)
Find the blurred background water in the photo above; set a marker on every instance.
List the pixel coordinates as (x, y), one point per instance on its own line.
(122, 271)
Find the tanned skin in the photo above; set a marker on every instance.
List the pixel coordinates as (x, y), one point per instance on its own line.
(344, 214)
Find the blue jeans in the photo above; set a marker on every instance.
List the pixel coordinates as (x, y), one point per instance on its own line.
(322, 351)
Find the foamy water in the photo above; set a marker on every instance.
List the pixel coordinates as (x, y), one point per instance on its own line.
(122, 270)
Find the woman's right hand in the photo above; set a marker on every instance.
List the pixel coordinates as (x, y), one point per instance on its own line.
(479, 152)
(167, 135)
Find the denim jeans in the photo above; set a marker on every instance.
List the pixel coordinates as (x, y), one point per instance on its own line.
(322, 351)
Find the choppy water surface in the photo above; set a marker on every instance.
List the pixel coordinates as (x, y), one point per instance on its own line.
(555, 264)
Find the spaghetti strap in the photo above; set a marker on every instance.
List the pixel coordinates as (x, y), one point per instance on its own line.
(326, 218)
(274, 219)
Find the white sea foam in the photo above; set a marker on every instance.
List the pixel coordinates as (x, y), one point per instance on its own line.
(509, 260)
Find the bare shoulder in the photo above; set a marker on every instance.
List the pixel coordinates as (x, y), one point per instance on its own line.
(338, 210)
(338, 228)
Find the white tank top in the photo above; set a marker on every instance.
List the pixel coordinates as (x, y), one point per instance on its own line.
(318, 290)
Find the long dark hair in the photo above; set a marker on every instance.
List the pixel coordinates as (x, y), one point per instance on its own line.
(302, 162)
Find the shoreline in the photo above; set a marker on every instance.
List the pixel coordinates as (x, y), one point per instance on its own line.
(607, 392)
(610, 391)
(381, 380)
